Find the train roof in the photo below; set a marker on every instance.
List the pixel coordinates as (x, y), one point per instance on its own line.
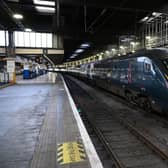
(160, 53)
(154, 53)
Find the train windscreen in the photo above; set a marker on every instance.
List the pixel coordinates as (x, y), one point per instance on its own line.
(165, 62)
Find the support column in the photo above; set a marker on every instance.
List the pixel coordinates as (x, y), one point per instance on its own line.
(57, 35)
(11, 58)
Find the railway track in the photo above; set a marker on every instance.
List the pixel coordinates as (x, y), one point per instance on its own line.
(153, 125)
(127, 146)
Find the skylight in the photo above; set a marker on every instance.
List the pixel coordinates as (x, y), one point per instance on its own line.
(46, 3)
(45, 9)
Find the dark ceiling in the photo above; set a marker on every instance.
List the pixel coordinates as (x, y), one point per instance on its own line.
(95, 21)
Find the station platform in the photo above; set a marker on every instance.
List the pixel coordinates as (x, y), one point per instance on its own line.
(40, 127)
(46, 78)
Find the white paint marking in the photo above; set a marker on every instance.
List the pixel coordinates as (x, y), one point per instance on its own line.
(90, 150)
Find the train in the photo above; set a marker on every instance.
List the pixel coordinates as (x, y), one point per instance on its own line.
(141, 78)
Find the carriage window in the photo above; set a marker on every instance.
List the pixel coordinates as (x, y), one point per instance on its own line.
(147, 67)
(165, 62)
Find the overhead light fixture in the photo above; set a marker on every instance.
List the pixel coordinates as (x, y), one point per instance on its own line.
(132, 43)
(86, 45)
(73, 56)
(45, 9)
(144, 19)
(148, 37)
(46, 3)
(79, 50)
(156, 14)
(113, 49)
(28, 29)
(121, 47)
(150, 19)
(166, 22)
(17, 16)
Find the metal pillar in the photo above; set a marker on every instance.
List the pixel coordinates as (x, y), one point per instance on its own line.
(11, 57)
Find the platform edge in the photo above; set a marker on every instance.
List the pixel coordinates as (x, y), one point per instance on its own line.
(89, 147)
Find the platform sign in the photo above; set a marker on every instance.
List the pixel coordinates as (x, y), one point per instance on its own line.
(10, 66)
(70, 152)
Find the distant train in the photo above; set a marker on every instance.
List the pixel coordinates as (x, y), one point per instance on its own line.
(141, 77)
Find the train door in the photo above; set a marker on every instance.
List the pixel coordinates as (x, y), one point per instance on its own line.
(91, 71)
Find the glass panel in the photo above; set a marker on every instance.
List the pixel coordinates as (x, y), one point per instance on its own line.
(2, 38)
(16, 38)
(49, 40)
(26, 39)
(20, 39)
(44, 39)
(32, 39)
(38, 39)
(165, 62)
(7, 38)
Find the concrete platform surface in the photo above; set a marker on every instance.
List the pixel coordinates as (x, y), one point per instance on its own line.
(43, 79)
(38, 128)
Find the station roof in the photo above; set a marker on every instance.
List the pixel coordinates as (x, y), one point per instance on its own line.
(99, 22)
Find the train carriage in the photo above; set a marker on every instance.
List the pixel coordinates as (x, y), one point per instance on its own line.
(141, 77)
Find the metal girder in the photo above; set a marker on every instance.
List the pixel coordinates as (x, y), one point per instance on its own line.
(101, 5)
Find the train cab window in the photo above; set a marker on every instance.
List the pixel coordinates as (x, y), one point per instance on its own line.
(165, 62)
(147, 67)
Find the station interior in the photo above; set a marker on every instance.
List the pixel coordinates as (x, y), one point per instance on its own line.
(83, 84)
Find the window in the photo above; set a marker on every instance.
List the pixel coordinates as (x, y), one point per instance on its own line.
(2, 37)
(38, 40)
(49, 40)
(147, 67)
(44, 39)
(32, 39)
(27, 39)
(165, 62)
(20, 38)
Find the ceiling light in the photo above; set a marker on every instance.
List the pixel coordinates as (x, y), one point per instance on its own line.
(156, 14)
(150, 19)
(148, 37)
(45, 9)
(28, 29)
(85, 45)
(166, 22)
(113, 49)
(122, 47)
(18, 16)
(73, 55)
(79, 50)
(41, 2)
(132, 43)
(144, 19)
